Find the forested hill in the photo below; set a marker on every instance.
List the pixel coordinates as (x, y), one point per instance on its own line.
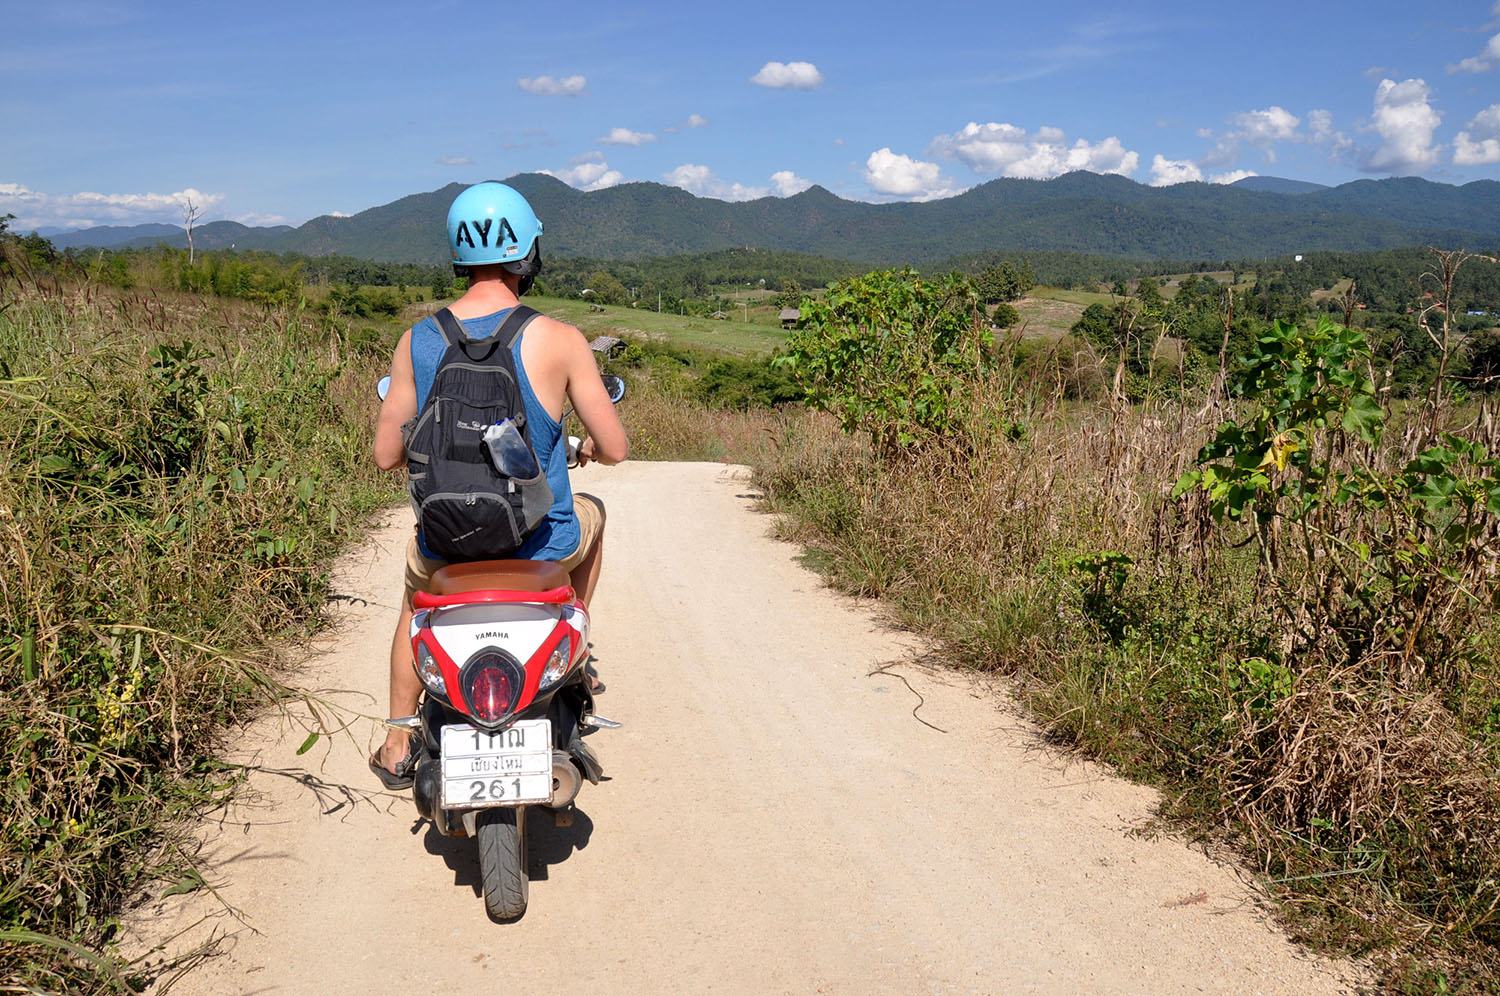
(1079, 212)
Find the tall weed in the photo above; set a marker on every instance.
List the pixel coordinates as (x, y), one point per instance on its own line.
(1313, 680)
(175, 476)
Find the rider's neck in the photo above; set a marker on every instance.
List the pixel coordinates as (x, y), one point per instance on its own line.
(489, 291)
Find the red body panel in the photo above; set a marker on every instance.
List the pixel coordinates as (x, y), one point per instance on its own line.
(556, 596)
(533, 667)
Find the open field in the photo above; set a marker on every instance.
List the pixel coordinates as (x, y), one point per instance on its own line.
(1082, 298)
(1046, 317)
(724, 335)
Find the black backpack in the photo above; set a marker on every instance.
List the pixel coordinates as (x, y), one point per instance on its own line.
(466, 507)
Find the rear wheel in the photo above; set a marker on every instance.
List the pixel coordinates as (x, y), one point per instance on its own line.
(501, 834)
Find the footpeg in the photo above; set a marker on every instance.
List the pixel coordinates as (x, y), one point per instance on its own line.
(599, 722)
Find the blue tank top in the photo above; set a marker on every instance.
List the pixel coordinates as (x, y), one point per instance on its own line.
(557, 535)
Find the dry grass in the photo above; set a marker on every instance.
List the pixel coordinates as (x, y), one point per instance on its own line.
(1371, 800)
(167, 512)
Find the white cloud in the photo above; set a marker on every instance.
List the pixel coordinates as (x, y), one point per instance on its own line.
(259, 220)
(588, 172)
(897, 175)
(1479, 143)
(1260, 128)
(1005, 150)
(553, 86)
(1274, 124)
(17, 191)
(1486, 60)
(697, 121)
(700, 180)
(624, 136)
(1233, 176)
(1320, 131)
(454, 161)
(1165, 172)
(338, 214)
(35, 209)
(786, 183)
(789, 76)
(1405, 120)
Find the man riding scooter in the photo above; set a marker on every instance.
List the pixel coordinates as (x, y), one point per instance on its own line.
(495, 239)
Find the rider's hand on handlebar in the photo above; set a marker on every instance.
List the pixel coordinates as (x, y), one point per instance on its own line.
(585, 451)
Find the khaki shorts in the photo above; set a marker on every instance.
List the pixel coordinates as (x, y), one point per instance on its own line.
(590, 512)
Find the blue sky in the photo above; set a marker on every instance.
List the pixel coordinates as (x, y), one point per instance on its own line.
(272, 112)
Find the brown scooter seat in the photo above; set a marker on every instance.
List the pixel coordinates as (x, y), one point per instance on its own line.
(498, 575)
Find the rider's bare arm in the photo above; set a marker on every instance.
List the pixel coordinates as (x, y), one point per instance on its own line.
(606, 440)
(398, 408)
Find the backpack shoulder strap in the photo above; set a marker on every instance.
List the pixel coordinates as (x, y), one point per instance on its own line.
(448, 326)
(515, 323)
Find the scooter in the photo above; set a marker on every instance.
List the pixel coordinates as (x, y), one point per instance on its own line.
(502, 648)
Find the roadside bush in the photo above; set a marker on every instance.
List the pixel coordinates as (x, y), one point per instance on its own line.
(891, 354)
(1298, 642)
(177, 477)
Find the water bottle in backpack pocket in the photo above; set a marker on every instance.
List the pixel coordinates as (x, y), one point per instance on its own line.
(510, 454)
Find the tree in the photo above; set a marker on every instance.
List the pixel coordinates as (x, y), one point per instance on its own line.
(606, 289)
(1005, 316)
(1148, 292)
(190, 214)
(891, 354)
(1006, 281)
(790, 295)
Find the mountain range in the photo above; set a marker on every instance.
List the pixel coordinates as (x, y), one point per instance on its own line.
(1077, 212)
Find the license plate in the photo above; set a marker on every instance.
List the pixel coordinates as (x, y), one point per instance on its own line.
(511, 767)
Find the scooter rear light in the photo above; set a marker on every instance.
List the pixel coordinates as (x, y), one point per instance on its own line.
(490, 694)
(492, 683)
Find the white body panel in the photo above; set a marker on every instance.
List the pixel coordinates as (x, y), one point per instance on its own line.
(520, 629)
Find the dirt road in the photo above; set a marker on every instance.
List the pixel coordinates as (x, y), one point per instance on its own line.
(776, 819)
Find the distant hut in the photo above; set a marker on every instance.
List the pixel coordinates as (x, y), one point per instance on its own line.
(608, 345)
(790, 317)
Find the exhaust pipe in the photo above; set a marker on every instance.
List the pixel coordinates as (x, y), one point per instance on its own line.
(566, 780)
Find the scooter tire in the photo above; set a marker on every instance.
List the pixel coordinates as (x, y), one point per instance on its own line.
(501, 837)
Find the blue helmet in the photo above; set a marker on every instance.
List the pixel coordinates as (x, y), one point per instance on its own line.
(492, 223)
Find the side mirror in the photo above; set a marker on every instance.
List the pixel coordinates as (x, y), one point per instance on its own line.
(615, 386)
(383, 388)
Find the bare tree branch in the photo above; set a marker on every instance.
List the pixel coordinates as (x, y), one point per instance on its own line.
(190, 214)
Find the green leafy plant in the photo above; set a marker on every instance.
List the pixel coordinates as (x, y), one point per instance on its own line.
(891, 354)
(1104, 576)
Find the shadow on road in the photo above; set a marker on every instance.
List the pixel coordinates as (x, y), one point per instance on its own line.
(546, 845)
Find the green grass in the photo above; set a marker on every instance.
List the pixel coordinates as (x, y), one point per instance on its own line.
(1047, 317)
(719, 335)
(1082, 298)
